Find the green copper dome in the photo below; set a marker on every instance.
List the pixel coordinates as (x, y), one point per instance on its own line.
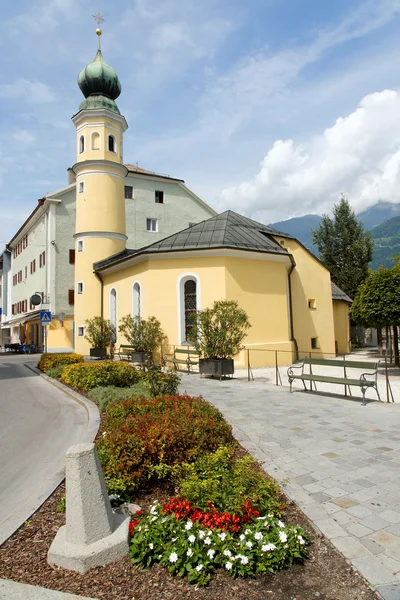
(99, 78)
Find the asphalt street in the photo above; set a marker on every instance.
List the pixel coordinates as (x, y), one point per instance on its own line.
(38, 423)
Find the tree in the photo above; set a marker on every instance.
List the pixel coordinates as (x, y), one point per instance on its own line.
(100, 332)
(144, 335)
(377, 302)
(344, 247)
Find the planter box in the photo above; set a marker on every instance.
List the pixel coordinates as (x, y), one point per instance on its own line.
(98, 352)
(141, 357)
(215, 366)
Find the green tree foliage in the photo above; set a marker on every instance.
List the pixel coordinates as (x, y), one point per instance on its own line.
(99, 332)
(377, 302)
(218, 331)
(344, 247)
(144, 335)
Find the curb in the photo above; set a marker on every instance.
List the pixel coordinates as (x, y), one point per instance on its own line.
(91, 409)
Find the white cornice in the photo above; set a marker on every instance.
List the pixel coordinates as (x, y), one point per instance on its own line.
(100, 234)
(86, 114)
(101, 165)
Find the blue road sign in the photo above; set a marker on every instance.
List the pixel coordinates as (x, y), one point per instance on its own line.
(45, 317)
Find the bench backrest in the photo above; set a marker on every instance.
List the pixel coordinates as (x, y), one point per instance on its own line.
(187, 351)
(352, 364)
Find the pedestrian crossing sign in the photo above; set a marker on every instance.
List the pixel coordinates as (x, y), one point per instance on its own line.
(45, 317)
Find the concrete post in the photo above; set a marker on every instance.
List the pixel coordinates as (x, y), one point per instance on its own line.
(93, 534)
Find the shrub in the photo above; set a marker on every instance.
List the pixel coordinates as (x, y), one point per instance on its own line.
(102, 396)
(89, 375)
(146, 438)
(224, 482)
(56, 372)
(49, 360)
(100, 332)
(162, 383)
(144, 335)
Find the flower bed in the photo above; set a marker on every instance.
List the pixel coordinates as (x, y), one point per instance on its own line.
(194, 544)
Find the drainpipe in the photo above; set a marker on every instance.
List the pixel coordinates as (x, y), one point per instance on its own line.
(292, 338)
(102, 287)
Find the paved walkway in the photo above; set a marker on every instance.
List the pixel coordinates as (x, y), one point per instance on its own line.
(338, 460)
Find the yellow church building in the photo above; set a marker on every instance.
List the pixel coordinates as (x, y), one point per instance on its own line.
(287, 293)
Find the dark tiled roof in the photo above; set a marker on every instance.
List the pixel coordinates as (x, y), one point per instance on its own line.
(140, 171)
(338, 294)
(227, 230)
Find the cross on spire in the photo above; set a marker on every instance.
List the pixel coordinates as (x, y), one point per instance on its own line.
(98, 17)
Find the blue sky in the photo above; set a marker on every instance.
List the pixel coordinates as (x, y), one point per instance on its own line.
(269, 107)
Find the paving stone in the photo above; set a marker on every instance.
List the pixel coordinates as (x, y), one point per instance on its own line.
(320, 497)
(345, 502)
(304, 479)
(358, 530)
(359, 511)
(364, 483)
(371, 546)
(390, 515)
(390, 592)
(373, 569)
(330, 528)
(374, 522)
(336, 492)
(350, 547)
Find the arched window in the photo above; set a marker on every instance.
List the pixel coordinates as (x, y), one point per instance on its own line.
(136, 300)
(81, 144)
(113, 311)
(95, 141)
(112, 145)
(188, 303)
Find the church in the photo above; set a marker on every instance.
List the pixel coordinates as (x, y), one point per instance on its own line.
(288, 295)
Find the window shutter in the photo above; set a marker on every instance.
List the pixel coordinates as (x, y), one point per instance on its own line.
(72, 257)
(71, 297)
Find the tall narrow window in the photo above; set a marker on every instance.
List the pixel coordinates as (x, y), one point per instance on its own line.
(190, 297)
(95, 141)
(113, 311)
(112, 144)
(136, 300)
(128, 191)
(159, 197)
(81, 144)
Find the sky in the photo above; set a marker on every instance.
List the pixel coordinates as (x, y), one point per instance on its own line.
(271, 108)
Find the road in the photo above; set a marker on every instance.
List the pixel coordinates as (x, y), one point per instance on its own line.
(38, 423)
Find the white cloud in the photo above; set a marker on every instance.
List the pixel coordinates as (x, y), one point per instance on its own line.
(23, 136)
(359, 156)
(30, 91)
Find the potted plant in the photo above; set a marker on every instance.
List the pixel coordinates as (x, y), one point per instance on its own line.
(142, 335)
(218, 333)
(101, 334)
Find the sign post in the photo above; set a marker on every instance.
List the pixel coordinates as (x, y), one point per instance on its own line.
(45, 319)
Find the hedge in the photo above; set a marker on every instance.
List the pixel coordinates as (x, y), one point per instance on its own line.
(90, 375)
(50, 360)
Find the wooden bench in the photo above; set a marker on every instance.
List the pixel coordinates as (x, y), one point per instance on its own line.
(125, 352)
(183, 356)
(360, 381)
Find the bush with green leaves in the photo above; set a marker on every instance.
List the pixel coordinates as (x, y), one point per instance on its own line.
(144, 335)
(102, 396)
(143, 439)
(56, 372)
(224, 480)
(49, 360)
(87, 376)
(99, 332)
(218, 332)
(162, 383)
(188, 549)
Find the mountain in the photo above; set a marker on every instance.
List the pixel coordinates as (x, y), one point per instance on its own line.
(381, 219)
(300, 228)
(378, 213)
(386, 238)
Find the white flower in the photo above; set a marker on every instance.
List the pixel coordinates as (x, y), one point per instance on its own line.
(174, 539)
(210, 553)
(227, 553)
(153, 519)
(202, 534)
(270, 516)
(207, 541)
(222, 536)
(153, 510)
(258, 535)
(189, 552)
(209, 532)
(241, 537)
(280, 524)
(191, 539)
(188, 525)
(151, 546)
(249, 544)
(247, 532)
(173, 557)
(244, 560)
(301, 540)
(199, 568)
(282, 536)
(262, 518)
(228, 566)
(113, 497)
(268, 547)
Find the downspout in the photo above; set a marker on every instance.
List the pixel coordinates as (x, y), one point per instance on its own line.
(101, 292)
(292, 338)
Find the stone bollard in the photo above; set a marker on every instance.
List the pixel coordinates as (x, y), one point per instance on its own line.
(93, 535)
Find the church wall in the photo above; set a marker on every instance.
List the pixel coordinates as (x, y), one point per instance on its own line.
(312, 303)
(342, 326)
(160, 289)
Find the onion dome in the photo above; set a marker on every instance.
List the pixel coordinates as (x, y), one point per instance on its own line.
(99, 83)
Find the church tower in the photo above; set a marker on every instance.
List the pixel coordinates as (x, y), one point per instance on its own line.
(100, 205)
